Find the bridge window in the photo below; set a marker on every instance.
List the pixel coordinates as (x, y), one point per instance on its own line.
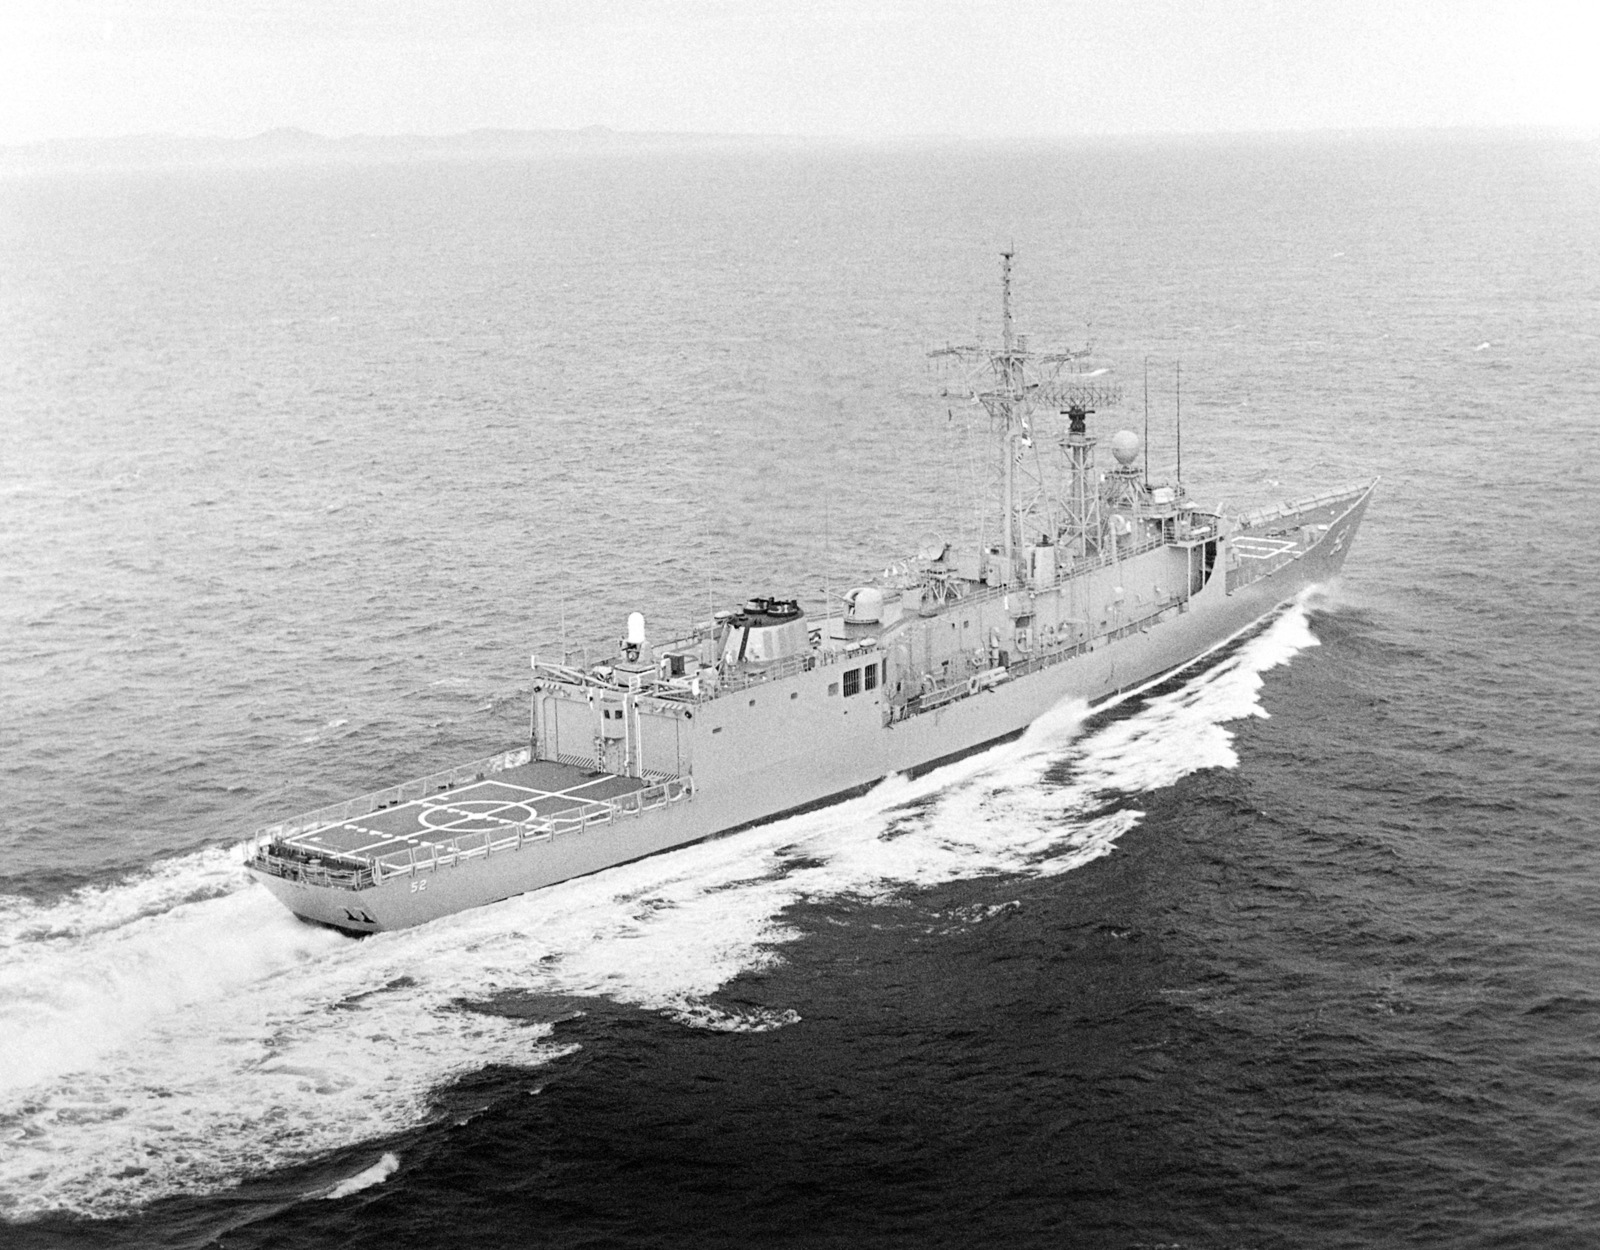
(871, 676)
(852, 682)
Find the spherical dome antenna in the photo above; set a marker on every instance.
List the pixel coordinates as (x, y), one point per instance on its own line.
(1125, 446)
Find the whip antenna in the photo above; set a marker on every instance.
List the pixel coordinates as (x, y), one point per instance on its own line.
(1147, 421)
(1177, 401)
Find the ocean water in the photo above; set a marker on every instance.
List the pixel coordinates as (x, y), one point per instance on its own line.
(297, 465)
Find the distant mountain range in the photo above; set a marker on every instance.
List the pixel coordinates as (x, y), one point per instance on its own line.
(289, 145)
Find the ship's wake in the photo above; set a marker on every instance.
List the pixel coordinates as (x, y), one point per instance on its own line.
(181, 1031)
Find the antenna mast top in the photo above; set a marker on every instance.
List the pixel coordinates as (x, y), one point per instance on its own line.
(1008, 339)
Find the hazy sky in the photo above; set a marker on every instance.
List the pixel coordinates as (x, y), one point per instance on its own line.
(873, 67)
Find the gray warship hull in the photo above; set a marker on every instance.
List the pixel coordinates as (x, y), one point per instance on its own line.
(683, 761)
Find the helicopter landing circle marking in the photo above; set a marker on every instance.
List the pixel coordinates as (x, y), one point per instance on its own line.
(448, 816)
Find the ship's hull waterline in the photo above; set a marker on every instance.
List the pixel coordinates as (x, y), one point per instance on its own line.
(830, 758)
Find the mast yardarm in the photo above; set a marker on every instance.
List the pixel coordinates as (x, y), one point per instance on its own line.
(1031, 455)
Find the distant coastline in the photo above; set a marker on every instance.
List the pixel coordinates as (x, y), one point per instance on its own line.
(290, 146)
(293, 146)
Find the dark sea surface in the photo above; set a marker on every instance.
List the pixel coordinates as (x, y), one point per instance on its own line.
(298, 465)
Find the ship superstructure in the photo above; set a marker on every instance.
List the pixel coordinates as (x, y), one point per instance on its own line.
(1087, 580)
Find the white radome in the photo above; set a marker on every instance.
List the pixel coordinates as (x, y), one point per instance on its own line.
(1125, 447)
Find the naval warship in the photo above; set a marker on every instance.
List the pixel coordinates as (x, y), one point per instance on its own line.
(1093, 580)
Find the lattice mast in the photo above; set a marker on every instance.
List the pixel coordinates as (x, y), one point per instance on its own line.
(1013, 384)
(1081, 534)
(1008, 410)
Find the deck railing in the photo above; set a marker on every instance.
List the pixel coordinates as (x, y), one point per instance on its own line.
(1260, 517)
(349, 875)
(943, 693)
(1105, 559)
(577, 819)
(309, 874)
(788, 667)
(350, 809)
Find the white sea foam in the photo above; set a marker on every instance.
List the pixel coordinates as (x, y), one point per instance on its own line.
(180, 1031)
(379, 1172)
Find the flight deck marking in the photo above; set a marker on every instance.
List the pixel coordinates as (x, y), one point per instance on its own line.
(584, 784)
(1252, 548)
(458, 806)
(313, 841)
(461, 816)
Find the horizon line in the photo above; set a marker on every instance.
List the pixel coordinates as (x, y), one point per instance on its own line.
(598, 130)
